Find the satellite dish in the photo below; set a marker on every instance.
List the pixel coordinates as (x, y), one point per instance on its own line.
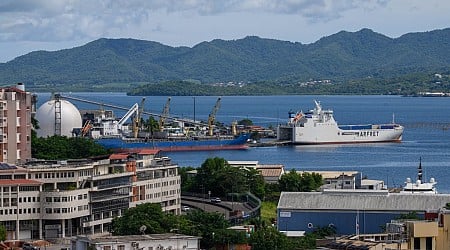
(142, 229)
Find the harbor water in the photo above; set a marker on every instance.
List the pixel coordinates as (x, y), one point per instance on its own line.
(426, 121)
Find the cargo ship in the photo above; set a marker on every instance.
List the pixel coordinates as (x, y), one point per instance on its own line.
(318, 126)
(196, 143)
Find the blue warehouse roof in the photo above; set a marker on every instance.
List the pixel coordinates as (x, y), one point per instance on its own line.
(361, 200)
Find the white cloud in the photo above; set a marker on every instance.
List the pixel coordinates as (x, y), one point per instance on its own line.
(188, 22)
(63, 20)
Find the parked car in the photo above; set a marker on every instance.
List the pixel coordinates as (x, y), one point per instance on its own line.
(28, 246)
(185, 208)
(215, 200)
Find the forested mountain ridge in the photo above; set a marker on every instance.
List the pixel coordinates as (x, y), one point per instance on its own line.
(340, 57)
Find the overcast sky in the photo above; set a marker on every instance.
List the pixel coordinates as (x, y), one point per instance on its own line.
(30, 25)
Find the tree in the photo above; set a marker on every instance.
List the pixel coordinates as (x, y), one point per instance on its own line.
(245, 122)
(217, 176)
(187, 181)
(206, 177)
(206, 225)
(61, 147)
(268, 238)
(295, 182)
(2, 232)
(150, 125)
(149, 215)
(409, 216)
(290, 182)
(255, 182)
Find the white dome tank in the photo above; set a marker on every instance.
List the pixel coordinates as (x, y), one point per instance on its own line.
(70, 118)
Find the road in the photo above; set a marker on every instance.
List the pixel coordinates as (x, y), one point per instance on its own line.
(224, 207)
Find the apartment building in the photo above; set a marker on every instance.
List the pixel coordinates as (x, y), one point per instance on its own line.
(15, 124)
(58, 199)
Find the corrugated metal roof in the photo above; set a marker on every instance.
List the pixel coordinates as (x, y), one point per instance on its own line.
(267, 172)
(362, 201)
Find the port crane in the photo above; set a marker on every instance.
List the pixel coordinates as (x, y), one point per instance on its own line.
(127, 115)
(164, 115)
(212, 116)
(137, 119)
(134, 109)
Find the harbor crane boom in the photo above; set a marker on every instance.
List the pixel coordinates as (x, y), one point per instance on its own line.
(164, 115)
(212, 116)
(127, 115)
(137, 119)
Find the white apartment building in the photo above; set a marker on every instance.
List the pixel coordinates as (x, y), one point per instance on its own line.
(58, 199)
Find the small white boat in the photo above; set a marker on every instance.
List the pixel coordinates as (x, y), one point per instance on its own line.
(319, 127)
(419, 187)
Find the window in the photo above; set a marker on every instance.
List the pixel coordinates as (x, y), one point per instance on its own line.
(429, 243)
(121, 247)
(416, 243)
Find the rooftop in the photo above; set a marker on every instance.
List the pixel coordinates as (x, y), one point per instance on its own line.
(362, 200)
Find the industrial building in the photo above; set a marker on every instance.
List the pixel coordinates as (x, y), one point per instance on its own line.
(352, 211)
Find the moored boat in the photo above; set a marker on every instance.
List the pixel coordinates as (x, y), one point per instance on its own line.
(419, 187)
(318, 126)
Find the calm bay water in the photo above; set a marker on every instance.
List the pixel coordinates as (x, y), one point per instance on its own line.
(426, 135)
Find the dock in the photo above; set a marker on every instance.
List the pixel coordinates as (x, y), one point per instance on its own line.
(272, 143)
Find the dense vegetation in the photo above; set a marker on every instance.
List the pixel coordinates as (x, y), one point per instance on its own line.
(63, 148)
(355, 62)
(2, 233)
(410, 84)
(217, 176)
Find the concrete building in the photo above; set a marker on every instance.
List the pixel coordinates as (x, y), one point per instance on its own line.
(15, 124)
(132, 242)
(429, 234)
(270, 172)
(351, 211)
(57, 199)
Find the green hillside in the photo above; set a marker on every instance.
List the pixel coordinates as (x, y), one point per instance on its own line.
(124, 64)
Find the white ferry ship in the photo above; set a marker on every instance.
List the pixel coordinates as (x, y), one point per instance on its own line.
(319, 127)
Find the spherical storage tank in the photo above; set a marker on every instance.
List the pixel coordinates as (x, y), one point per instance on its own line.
(70, 118)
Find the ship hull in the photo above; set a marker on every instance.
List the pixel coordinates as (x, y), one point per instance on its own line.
(319, 127)
(334, 135)
(176, 145)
